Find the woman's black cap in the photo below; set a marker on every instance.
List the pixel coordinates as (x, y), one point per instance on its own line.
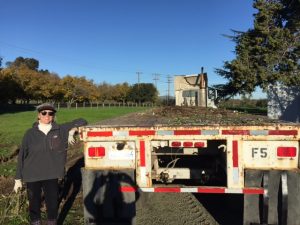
(45, 106)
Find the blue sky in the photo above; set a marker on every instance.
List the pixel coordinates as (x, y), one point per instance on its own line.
(110, 40)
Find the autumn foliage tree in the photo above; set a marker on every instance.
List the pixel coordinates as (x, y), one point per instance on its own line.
(50, 87)
(9, 86)
(22, 80)
(121, 92)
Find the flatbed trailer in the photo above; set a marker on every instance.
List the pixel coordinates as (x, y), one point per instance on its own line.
(195, 150)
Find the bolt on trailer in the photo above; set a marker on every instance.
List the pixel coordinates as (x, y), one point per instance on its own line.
(150, 153)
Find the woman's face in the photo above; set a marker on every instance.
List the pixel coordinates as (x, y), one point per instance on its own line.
(46, 116)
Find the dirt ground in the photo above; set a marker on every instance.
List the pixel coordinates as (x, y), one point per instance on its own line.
(171, 209)
(193, 116)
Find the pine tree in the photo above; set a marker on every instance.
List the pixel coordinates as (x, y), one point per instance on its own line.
(267, 54)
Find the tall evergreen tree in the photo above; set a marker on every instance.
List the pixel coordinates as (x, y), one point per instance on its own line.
(267, 54)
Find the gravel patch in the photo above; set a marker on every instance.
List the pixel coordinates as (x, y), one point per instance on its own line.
(171, 209)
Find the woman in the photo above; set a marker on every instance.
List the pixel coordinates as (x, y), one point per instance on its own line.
(41, 161)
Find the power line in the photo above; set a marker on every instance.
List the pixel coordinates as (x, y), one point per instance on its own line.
(66, 59)
(69, 60)
(73, 61)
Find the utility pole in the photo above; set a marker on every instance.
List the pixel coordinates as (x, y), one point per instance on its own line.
(169, 82)
(156, 78)
(138, 75)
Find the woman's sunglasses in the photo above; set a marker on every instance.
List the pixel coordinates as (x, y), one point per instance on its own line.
(44, 113)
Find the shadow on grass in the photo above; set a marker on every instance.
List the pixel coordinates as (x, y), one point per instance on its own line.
(70, 188)
(13, 108)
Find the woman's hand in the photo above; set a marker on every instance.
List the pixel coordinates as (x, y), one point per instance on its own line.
(71, 137)
(18, 185)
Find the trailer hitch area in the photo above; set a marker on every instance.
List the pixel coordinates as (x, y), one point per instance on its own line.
(205, 177)
(164, 177)
(224, 147)
(121, 145)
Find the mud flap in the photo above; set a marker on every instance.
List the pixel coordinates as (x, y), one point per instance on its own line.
(261, 209)
(253, 178)
(104, 203)
(293, 209)
(275, 206)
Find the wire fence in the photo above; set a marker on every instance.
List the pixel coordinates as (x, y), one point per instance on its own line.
(7, 108)
(99, 105)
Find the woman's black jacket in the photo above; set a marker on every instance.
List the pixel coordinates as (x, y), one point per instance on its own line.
(43, 157)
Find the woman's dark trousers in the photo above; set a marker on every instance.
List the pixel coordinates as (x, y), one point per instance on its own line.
(34, 192)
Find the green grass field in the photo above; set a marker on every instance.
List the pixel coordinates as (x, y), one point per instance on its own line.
(14, 125)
